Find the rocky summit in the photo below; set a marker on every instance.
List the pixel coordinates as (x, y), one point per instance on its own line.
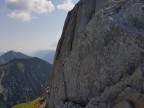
(99, 61)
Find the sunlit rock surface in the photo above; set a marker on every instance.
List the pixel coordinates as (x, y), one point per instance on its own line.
(99, 61)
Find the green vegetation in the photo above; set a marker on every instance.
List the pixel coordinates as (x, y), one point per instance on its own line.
(21, 66)
(23, 80)
(33, 104)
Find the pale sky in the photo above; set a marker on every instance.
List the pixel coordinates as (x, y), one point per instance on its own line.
(32, 25)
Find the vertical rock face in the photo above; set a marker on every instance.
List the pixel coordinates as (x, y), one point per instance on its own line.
(99, 61)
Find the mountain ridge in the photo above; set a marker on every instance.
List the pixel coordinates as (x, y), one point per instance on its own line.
(8, 56)
(47, 55)
(22, 80)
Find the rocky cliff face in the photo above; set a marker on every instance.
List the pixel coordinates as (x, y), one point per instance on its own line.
(99, 61)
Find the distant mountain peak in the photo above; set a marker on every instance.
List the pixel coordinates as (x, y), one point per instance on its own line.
(8, 56)
(22, 80)
(11, 51)
(47, 55)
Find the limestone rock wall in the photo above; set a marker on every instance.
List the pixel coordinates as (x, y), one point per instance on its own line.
(99, 61)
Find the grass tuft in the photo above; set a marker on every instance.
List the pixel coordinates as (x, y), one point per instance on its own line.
(33, 104)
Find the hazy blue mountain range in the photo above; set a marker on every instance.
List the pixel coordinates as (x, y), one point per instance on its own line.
(1, 53)
(6, 57)
(22, 80)
(47, 55)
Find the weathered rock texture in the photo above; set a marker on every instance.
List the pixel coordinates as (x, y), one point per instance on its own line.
(99, 61)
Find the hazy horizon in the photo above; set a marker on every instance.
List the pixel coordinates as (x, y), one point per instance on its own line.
(30, 26)
(30, 53)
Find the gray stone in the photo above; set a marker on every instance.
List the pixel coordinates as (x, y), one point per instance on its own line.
(100, 54)
(124, 104)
